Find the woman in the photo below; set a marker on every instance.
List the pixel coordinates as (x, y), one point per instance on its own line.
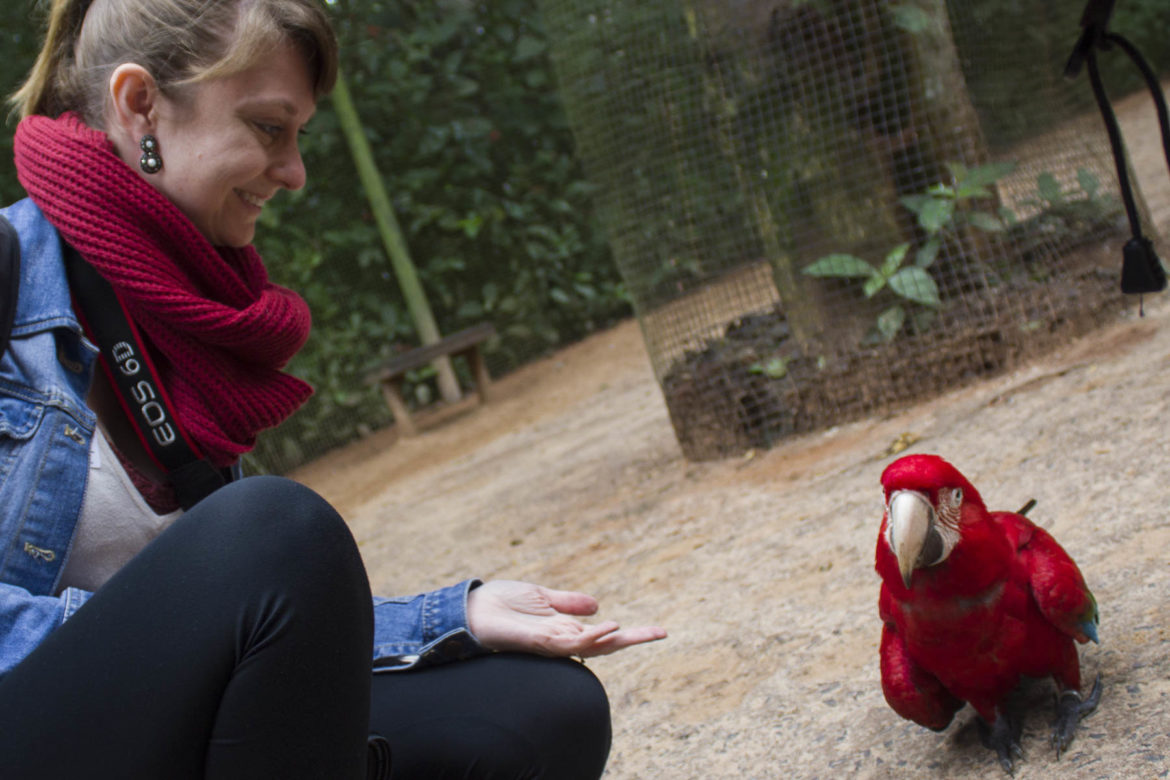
(154, 623)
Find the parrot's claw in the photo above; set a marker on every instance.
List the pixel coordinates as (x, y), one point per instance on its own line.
(1070, 710)
(1003, 737)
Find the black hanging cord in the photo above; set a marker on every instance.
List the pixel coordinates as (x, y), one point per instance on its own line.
(1151, 84)
(1117, 145)
(1141, 270)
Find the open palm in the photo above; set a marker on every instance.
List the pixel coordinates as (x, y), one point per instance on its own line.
(520, 616)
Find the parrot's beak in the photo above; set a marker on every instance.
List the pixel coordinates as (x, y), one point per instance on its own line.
(911, 518)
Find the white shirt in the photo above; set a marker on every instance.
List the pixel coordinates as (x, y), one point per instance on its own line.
(115, 522)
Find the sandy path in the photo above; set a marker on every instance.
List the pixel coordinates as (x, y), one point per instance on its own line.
(761, 567)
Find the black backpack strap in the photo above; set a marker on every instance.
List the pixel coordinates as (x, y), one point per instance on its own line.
(9, 279)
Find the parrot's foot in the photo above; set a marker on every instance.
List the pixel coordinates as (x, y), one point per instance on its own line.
(1003, 737)
(1070, 710)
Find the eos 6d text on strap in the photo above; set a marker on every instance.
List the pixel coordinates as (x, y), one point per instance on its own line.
(133, 376)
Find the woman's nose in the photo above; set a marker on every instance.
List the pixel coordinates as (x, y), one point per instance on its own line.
(289, 169)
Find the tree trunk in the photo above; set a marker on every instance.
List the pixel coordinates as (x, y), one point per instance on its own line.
(828, 163)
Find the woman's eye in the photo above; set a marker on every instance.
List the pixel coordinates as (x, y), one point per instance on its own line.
(269, 130)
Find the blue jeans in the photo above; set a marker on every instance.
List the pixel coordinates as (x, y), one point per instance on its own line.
(238, 644)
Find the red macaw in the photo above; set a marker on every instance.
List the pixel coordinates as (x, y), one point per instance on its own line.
(972, 600)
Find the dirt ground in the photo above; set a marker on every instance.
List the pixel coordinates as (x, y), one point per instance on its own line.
(761, 567)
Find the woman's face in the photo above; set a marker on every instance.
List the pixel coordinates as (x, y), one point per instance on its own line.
(231, 144)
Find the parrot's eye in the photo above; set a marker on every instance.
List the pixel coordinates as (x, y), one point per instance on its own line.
(956, 496)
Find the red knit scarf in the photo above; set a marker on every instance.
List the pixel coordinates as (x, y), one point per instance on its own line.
(218, 330)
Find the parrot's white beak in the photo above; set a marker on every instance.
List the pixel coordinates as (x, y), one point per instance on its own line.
(910, 519)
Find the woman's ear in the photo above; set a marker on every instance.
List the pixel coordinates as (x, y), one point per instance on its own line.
(133, 103)
(131, 110)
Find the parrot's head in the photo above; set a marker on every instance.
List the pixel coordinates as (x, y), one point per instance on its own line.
(926, 499)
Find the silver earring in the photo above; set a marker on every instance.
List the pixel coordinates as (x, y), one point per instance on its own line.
(150, 162)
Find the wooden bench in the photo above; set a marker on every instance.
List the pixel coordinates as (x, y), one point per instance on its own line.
(464, 343)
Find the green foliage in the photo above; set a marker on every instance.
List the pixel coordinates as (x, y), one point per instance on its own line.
(941, 211)
(1086, 205)
(461, 110)
(773, 367)
(1063, 213)
(910, 284)
(20, 41)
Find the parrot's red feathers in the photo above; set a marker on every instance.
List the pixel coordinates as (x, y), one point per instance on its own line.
(1056, 582)
(914, 693)
(927, 474)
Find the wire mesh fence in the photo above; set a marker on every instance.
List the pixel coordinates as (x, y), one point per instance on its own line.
(827, 208)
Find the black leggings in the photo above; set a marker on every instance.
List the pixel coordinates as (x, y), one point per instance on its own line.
(237, 644)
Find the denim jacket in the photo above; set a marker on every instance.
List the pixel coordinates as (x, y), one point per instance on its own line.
(45, 433)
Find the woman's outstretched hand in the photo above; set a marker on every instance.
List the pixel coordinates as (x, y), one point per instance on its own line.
(520, 616)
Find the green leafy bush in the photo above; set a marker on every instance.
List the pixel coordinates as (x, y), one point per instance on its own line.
(461, 110)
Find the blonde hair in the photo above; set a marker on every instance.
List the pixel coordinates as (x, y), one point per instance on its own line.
(180, 42)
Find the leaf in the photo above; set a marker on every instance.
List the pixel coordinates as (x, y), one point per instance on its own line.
(774, 368)
(940, 190)
(1007, 216)
(471, 225)
(435, 139)
(1049, 189)
(958, 171)
(915, 284)
(527, 48)
(923, 319)
(1088, 182)
(935, 215)
(842, 266)
(890, 321)
(915, 202)
(983, 175)
(985, 221)
(894, 260)
(470, 310)
(464, 87)
(910, 18)
(873, 285)
(926, 256)
(966, 191)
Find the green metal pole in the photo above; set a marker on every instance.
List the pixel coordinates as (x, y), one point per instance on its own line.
(392, 239)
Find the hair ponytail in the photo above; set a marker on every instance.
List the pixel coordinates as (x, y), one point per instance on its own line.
(51, 80)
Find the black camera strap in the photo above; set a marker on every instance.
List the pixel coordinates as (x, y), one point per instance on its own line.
(133, 376)
(1141, 270)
